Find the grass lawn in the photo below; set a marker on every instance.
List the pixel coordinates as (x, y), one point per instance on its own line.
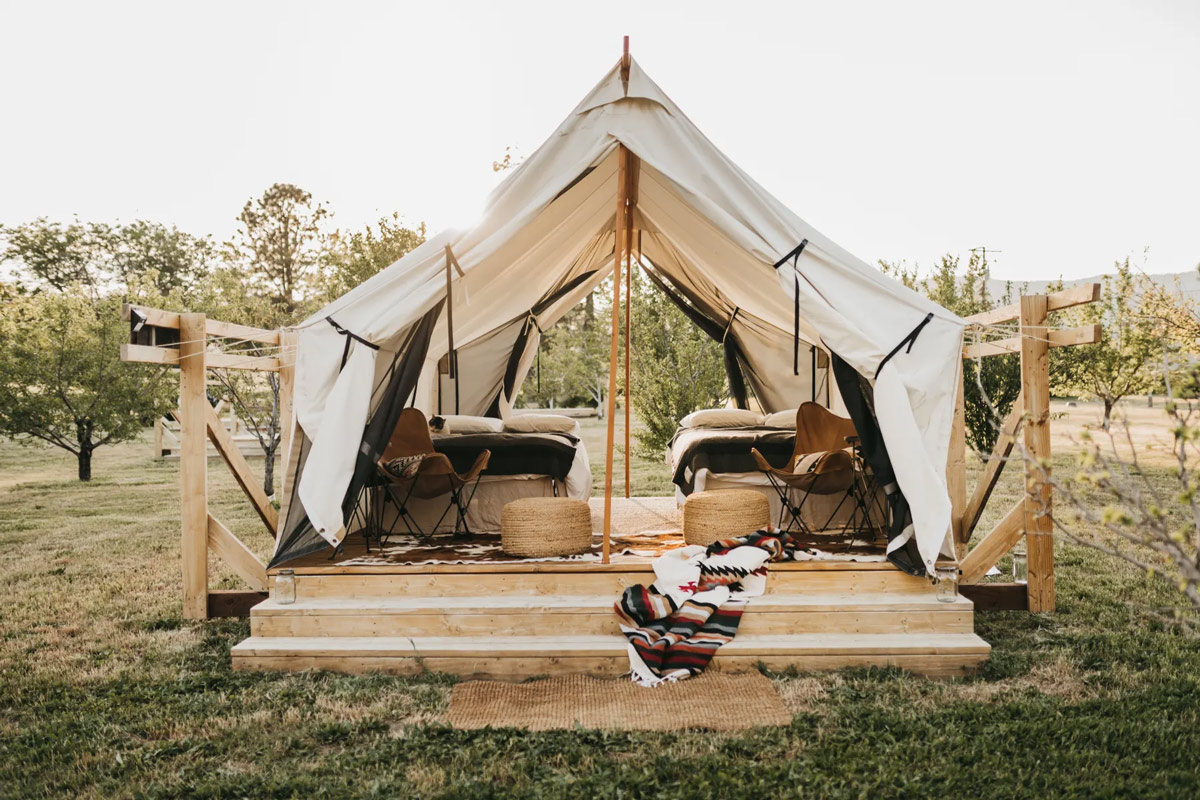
(105, 691)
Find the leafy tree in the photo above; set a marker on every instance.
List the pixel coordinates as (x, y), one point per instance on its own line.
(353, 257)
(102, 257)
(572, 364)
(279, 241)
(1127, 360)
(58, 256)
(61, 378)
(677, 368)
(965, 292)
(166, 256)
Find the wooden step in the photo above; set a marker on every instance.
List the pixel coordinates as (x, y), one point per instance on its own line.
(593, 614)
(592, 582)
(519, 657)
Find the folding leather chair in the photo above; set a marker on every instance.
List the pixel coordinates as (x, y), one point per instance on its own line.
(831, 473)
(820, 431)
(430, 475)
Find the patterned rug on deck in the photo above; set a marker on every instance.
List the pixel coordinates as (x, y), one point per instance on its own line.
(712, 701)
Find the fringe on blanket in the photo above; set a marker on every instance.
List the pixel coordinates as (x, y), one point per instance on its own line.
(676, 625)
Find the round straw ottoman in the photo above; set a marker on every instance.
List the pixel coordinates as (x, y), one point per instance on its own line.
(723, 514)
(541, 527)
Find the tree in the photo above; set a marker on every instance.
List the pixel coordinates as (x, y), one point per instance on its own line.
(103, 258)
(572, 362)
(57, 256)
(166, 256)
(254, 396)
(988, 383)
(279, 241)
(1125, 361)
(61, 378)
(353, 257)
(677, 368)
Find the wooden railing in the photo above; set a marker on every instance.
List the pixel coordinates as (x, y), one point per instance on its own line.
(1031, 516)
(186, 339)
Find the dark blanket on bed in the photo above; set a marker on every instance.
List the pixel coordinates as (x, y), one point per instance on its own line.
(512, 453)
(728, 450)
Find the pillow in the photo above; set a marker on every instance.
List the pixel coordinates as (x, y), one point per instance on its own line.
(722, 418)
(782, 419)
(404, 466)
(461, 423)
(539, 423)
(806, 462)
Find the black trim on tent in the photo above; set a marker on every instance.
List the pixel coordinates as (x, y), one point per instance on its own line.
(794, 256)
(859, 398)
(522, 340)
(300, 538)
(909, 340)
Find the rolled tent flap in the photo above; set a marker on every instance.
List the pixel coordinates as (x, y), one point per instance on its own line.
(335, 448)
(333, 486)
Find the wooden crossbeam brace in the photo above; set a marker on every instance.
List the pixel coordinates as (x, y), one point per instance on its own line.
(998, 541)
(1075, 296)
(991, 471)
(1083, 334)
(239, 557)
(157, 318)
(169, 356)
(241, 470)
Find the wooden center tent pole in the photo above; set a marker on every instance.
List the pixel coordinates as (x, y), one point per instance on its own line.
(619, 241)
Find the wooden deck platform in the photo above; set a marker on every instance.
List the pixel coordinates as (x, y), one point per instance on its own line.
(518, 619)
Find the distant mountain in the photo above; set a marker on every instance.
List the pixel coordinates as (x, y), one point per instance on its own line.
(1188, 282)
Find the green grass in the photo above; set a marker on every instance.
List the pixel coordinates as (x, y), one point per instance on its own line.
(105, 691)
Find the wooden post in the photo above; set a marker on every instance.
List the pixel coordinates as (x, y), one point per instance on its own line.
(158, 438)
(1035, 387)
(610, 408)
(193, 464)
(956, 469)
(287, 389)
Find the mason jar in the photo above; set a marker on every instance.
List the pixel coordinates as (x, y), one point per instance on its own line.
(1020, 567)
(947, 584)
(285, 587)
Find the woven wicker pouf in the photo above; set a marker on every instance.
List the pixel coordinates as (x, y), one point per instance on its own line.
(540, 527)
(723, 514)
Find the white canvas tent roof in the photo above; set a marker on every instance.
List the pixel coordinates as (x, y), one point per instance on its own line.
(546, 239)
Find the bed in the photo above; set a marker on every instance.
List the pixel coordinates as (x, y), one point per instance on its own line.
(712, 452)
(523, 463)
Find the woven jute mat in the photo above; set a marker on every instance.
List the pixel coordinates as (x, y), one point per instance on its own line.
(712, 701)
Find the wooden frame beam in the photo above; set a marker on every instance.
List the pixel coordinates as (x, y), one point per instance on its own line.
(232, 602)
(193, 465)
(241, 470)
(991, 471)
(998, 541)
(1075, 296)
(997, 596)
(234, 553)
(157, 318)
(1068, 337)
(169, 356)
(1035, 387)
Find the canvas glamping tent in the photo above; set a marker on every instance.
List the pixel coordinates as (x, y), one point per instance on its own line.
(772, 285)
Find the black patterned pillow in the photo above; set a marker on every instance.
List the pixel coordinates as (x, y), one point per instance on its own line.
(404, 466)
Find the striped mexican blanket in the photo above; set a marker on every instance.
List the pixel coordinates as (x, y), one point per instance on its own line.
(675, 626)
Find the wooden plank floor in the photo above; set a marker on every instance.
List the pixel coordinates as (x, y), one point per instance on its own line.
(514, 619)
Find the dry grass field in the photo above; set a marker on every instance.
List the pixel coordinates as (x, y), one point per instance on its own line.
(105, 691)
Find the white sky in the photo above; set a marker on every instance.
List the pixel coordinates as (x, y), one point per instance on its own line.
(1065, 134)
